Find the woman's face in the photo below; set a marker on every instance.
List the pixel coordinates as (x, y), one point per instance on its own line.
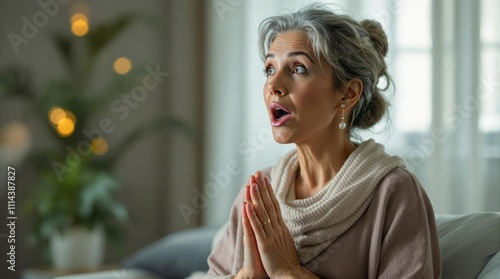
(302, 101)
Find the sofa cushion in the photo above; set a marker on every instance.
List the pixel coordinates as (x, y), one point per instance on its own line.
(176, 255)
(492, 269)
(467, 243)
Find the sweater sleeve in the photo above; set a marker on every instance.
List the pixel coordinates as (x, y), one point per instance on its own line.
(221, 260)
(227, 257)
(410, 247)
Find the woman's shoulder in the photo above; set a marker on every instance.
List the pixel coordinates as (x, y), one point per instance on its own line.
(400, 177)
(401, 183)
(400, 196)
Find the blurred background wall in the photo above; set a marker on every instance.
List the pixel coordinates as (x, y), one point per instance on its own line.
(444, 57)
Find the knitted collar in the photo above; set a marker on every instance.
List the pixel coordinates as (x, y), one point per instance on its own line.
(317, 221)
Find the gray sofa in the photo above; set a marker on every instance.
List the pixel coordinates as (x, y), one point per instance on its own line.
(470, 246)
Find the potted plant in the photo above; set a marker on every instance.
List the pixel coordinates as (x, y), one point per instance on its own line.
(73, 200)
(75, 214)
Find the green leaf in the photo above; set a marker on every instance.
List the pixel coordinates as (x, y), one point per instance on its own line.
(94, 191)
(118, 211)
(101, 35)
(54, 222)
(62, 92)
(64, 44)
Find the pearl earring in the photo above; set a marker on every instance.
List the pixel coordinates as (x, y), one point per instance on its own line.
(342, 124)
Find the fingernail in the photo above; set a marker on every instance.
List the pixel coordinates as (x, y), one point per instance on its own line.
(255, 188)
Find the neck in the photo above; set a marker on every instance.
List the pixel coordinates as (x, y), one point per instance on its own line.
(319, 162)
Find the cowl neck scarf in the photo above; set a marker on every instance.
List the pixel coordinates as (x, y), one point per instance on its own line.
(317, 221)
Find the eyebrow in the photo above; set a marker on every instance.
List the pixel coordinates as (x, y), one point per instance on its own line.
(293, 53)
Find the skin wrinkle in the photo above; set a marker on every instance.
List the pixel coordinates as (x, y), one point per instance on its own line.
(314, 102)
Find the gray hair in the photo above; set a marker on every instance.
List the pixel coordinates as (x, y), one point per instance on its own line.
(353, 49)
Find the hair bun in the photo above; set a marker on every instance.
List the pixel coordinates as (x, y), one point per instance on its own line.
(377, 35)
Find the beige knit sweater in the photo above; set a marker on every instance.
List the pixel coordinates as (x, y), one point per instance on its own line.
(373, 220)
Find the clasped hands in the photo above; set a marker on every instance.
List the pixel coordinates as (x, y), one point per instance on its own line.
(269, 249)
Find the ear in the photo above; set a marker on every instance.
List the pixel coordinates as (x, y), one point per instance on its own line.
(352, 91)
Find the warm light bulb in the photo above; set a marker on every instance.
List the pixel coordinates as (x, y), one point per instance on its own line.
(56, 114)
(122, 65)
(99, 146)
(80, 27)
(65, 127)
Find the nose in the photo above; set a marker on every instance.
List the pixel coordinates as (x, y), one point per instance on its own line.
(273, 90)
(275, 85)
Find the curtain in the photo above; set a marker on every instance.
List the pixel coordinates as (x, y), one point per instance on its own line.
(445, 114)
(462, 172)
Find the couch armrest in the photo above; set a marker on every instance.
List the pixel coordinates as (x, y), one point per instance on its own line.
(176, 255)
(468, 242)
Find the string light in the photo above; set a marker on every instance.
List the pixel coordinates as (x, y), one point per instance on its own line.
(80, 27)
(62, 120)
(56, 114)
(79, 24)
(99, 146)
(65, 127)
(122, 65)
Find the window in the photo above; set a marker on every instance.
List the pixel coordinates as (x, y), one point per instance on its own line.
(412, 69)
(489, 121)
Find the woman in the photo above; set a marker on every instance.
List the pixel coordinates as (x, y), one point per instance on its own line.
(331, 208)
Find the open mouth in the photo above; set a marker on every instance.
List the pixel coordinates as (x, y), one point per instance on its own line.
(280, 115)
(279, 112)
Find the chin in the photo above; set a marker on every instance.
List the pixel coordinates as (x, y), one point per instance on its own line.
(282, 138)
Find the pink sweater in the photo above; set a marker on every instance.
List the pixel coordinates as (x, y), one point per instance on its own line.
(396, 237)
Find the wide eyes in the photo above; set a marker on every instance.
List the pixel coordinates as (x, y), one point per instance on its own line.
(299, 69)
(296, 69)
(269, 71)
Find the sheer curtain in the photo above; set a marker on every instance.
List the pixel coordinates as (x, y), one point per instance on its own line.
(445, 116)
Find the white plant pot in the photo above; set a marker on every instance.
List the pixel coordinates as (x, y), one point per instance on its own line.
(77, 248)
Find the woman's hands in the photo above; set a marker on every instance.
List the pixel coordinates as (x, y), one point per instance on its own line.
(252, 263)
(269, 249)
